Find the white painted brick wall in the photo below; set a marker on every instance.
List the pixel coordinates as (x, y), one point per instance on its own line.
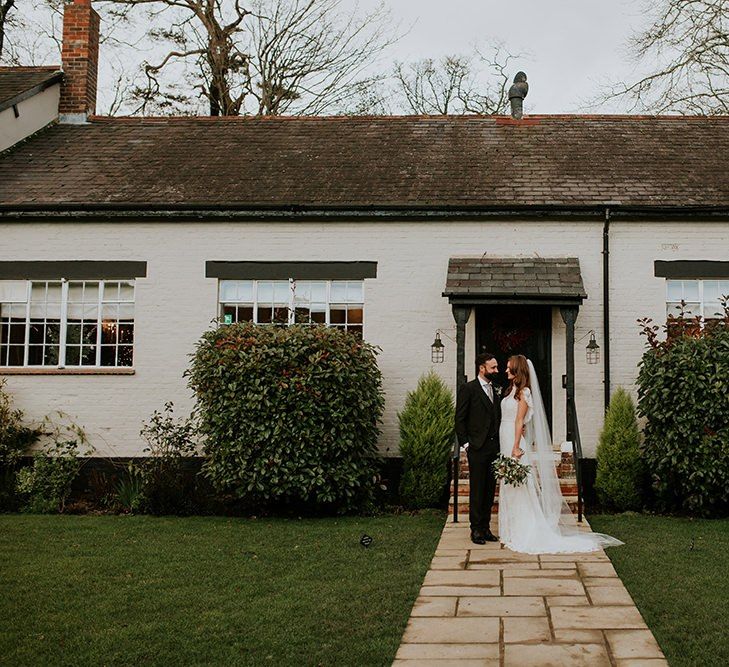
(404, 306)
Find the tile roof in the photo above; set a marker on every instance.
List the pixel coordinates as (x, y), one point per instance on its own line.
(14, 81)
(429, 162)
(541, 277)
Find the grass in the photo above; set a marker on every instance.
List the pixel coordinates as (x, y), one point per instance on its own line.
(676, 571)
(107, 590)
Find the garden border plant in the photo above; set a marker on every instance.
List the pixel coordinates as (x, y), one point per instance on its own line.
(683, 393)
(427, 430)
(289, 415)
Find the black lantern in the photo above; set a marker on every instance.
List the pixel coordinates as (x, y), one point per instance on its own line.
(593, 350)
(437, 350)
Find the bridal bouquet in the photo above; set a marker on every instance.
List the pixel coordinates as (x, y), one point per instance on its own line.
(510, 470)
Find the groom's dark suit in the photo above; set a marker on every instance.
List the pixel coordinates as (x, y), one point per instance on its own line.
(477, 423)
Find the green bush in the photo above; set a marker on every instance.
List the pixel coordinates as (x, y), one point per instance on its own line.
(289, 414)
(683, 392)
(159, 484)
(15, 439)
(427, 425)
(620, 468)
(45, 485)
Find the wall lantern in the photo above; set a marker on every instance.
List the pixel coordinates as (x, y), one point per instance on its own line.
(593, 350)
(437, 349)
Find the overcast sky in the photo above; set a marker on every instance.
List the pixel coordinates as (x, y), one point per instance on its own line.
(573, 45)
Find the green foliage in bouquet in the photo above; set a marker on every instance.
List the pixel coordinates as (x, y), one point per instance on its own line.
(620, 467)
(427, 425)
(683, 393)
(510, 470)
(289, 414)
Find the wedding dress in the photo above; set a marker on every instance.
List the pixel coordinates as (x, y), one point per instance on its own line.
(534, 518)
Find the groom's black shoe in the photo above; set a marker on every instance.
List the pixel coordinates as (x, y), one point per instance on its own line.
(477, 538)
(490, 537)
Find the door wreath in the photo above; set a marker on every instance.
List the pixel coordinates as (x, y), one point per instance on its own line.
(511, 330)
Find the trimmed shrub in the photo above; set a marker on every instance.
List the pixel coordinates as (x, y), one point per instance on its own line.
(620, 468)
(289, 414)
(683, 392)
(427, 426)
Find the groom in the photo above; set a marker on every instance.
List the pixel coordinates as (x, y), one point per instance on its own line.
(478, 415)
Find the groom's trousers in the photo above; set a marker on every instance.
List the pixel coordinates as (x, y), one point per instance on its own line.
(482, 484)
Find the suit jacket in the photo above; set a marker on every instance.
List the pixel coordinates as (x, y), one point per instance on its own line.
(477, 418)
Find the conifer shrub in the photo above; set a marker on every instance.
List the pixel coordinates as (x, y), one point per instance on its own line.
(427, 425)
(620, 468)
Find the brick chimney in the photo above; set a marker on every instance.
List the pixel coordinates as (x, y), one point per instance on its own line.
(79, 60)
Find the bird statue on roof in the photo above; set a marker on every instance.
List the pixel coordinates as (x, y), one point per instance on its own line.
(517, 93)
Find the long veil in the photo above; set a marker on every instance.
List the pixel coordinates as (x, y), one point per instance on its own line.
(554, 506)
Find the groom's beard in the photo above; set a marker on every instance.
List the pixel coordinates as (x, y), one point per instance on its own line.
(492, 376)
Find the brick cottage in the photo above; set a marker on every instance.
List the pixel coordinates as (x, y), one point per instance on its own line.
(122, 239)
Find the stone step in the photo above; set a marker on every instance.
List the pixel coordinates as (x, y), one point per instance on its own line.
(567, 486)
(463, 507)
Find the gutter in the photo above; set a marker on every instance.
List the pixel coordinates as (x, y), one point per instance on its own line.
(606, 306)
(112, 211)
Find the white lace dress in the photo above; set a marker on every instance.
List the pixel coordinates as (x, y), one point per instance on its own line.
(522, 523)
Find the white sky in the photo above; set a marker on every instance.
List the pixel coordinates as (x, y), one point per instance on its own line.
(573, 45)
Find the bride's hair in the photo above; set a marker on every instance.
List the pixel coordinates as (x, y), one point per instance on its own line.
(520, 370)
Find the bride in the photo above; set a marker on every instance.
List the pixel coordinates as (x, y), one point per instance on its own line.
(534, 517)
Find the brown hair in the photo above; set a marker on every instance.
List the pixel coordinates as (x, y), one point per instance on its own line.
(520, 370)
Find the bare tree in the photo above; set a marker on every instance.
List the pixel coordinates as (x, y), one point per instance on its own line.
(686, 48)
(268, 57)
(6, 7)
(455, 84)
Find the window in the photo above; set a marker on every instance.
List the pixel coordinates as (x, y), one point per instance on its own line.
(702, 297)
(61, 323)
(336, 303)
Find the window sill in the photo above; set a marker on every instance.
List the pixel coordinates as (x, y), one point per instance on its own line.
(39, 370)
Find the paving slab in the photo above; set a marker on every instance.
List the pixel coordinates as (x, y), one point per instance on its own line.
(609, 595)
(522, 630)
(456, 591)
(633, 644)
(501, 606)
(642, 662)
(597, 617)
(448, 563)
(434, 606)
(588, 569)
(568, 636)
(452, 630)
(542, 586)
(461, 578)
(556, 655)
(448, 652)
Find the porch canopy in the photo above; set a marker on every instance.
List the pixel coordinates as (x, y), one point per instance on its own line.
(555, 281)
(514, 280)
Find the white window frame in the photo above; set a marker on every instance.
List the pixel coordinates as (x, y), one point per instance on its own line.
(291, 306)
(63, 324)
(701, 301)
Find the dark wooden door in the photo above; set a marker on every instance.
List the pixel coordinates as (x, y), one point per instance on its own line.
(527, 330)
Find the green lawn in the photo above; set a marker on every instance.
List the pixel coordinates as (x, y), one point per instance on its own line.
(677, 571)
(108, 590)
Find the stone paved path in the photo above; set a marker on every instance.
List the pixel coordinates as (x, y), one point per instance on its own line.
(486, 605)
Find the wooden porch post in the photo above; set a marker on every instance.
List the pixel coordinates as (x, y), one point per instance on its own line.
(461, 315)
(569, 315)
